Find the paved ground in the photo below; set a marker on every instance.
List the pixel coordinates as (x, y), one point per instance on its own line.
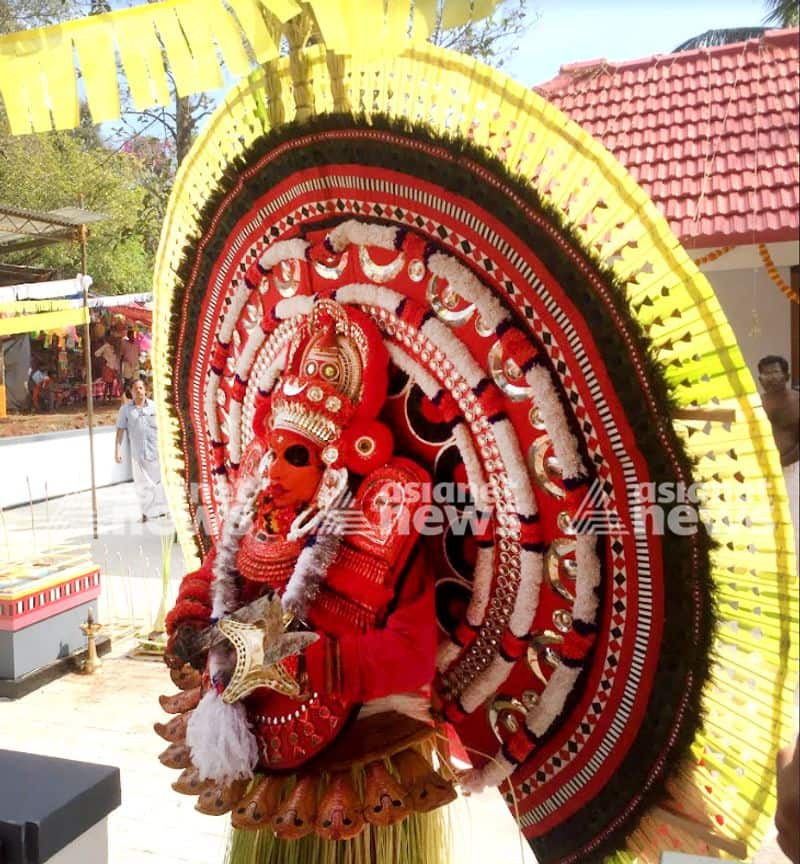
(108, 717)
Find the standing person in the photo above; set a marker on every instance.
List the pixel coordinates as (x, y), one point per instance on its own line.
(138, 418)
(782, 405)
(41, 391)
(110, 371)
(369, 635)
(129, 355)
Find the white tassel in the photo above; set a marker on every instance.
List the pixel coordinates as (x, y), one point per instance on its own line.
(222, 745)
(492, 774)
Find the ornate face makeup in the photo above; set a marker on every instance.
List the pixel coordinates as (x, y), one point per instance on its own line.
(294, 469)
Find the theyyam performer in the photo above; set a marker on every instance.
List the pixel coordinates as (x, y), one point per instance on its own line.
(426, 353)
(319, 665)
(460, 448)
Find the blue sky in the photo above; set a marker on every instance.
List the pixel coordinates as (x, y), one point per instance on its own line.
(568, 31)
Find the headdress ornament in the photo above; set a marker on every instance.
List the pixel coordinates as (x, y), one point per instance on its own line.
(335, 378)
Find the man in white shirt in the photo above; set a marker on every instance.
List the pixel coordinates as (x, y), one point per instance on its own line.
(138, 419)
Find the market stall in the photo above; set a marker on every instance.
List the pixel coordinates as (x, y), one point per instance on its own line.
(41, 336)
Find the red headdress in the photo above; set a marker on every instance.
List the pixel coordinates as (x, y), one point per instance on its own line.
(333, 387)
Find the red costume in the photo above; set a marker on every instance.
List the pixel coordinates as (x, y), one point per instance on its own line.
(359, 593)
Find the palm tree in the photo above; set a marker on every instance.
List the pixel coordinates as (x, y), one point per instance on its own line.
(780, 13)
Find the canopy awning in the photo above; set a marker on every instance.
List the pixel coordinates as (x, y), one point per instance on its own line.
(28, 229)
(14, 274)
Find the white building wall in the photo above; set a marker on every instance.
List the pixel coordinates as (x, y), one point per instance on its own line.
(756, 309)
(57, 463)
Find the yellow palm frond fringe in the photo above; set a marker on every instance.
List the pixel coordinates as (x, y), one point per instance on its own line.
(45, 73)
(749, 704)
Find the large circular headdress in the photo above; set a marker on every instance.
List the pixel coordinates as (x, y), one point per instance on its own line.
(557, 357)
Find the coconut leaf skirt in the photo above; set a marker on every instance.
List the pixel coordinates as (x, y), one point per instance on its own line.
(422, 838)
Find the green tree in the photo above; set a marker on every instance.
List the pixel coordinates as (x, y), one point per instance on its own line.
(492, 40)
(24, 14)
(58, 169)
(779, 13)
(155, 171)
(782, 13)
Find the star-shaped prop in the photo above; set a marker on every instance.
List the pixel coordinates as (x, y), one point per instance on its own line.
(260, 646)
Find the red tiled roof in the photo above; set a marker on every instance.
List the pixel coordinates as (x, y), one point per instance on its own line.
(728, 114)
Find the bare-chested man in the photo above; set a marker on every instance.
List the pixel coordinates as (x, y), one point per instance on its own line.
(782, 405)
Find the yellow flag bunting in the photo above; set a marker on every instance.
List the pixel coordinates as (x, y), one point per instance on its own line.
(43, 321)
(46, 73)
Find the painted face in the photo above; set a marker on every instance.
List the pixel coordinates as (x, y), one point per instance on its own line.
(772, 377)
(294, 468)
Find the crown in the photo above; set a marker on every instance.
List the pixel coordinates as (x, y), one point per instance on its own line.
(335, 374)
(299, 416)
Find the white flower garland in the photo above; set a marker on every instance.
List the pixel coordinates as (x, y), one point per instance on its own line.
(486, 684)
(254, 342)
(243, 365)
(367, 294)
(231, 316)
(293, 307)
(589, 574)
(464, 282)
(414, 371)
(516, 467)
(492, 774)
(481, 585)
(362, 234)
(551, 701)
(284, 250)
(546, 400)
(223, 584)
(210, 405)
(235, 432)
(472, 464)
(446, 654)
(455, 350)
(531, 570)
(309, 573)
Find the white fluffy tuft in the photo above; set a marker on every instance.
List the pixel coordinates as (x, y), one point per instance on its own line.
(223, 746)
